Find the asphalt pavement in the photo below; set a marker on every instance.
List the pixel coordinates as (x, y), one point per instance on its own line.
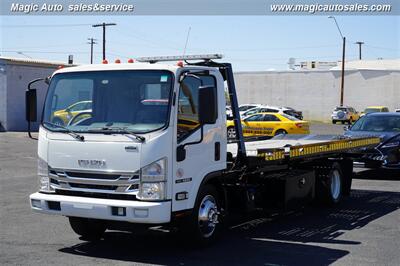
(363, 230)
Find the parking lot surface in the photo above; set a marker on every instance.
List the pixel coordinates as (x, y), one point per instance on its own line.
(363, 230)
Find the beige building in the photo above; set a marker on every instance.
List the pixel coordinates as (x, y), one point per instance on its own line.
(317, 92)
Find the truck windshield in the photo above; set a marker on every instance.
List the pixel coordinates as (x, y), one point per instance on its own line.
(136, 100)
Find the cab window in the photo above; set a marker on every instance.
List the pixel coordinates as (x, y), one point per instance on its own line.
(188, 109)
(271, 118)
(254, 118)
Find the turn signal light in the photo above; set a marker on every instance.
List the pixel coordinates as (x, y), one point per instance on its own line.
(130, 60)
(117, 61)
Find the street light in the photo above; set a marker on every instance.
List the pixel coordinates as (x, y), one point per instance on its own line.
(343, 59)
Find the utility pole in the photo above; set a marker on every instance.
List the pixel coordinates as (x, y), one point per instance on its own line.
(92, 41)
(343, 60)
(104, 25)
(359, 49)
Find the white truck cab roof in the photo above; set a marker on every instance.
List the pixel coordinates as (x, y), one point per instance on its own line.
(129, 66)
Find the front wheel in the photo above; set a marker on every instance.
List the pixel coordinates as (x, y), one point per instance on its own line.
(88, 229)
(231, 133)
(204, 224)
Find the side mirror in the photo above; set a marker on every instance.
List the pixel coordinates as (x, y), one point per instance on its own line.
(208, 111)
(31, 105)
(47, 80)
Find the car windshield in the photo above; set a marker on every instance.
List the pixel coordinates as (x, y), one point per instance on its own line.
(372, 110)
(136, 100)
(377, 124)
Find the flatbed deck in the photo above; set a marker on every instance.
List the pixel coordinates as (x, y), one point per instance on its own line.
(292, 147)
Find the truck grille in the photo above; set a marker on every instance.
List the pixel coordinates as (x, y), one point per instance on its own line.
(94, 181)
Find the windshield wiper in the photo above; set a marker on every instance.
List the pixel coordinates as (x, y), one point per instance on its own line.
(119, 130)
(69, 131)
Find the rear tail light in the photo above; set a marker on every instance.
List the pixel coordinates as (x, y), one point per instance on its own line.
(301, 125)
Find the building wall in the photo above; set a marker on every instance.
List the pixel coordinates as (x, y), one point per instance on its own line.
(18, 77)
(316, 93)
(3, 98)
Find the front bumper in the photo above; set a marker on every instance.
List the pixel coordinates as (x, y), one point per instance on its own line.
(135, 211)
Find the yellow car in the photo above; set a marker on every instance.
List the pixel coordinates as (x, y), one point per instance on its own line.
(269, 124)
(63, 116)
(375, 109)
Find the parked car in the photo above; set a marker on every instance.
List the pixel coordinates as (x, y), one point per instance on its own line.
(375, 109)
(397, 111)
(269, 124)
(228, 111)
(245, 107)
(273, 109)
(64, 116)
(344, 114)
(293, 112)
(387, 127)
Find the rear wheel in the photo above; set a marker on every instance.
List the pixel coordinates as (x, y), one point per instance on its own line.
(231, 133)
(204, 224)
(343, 122)
(330, 190)
(280, 132)
(88, 229)
(333, 121)
(351, 120)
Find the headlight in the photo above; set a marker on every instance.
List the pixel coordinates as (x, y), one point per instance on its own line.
(153, 181)
(391, 145)
(43, 174)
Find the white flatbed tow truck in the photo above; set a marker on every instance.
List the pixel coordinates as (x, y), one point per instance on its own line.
(149, 147)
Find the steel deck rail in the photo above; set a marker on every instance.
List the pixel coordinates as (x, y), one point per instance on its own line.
(310, 150)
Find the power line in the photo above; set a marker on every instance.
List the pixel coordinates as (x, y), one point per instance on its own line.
(44, 25)
(46, 46)
(43, 52)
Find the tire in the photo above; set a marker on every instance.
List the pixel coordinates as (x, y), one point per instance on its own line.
(58, 121)
(343, 122)
(351, 121)
(88, 229)
(231, 133)
(330, 190)
(280, 132)
(204, 225)
(334, 122)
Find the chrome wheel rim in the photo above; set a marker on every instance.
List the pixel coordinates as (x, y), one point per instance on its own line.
(208, 216)
(335, 184)
(231, 133)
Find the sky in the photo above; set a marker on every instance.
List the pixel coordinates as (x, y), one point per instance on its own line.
(250, 43)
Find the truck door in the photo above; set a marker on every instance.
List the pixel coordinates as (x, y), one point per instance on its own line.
(201, 158)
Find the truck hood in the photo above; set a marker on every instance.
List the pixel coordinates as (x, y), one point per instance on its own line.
(94, 156)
